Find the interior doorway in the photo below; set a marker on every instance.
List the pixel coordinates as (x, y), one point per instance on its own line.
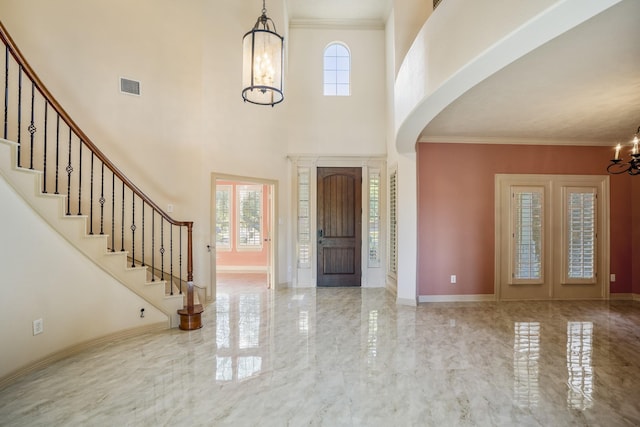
(242, 232)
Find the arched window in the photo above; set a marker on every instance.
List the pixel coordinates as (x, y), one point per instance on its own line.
(337, 70)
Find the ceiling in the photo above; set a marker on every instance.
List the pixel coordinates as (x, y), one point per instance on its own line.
(582, 87)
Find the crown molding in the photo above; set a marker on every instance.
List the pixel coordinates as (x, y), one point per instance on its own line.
(512, 141)
(337, 24)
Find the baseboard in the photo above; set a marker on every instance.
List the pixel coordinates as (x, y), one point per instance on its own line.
(457, 298)
(242, 269)
(636, 297)
(622, 296)
(407, 301)
(77, 348)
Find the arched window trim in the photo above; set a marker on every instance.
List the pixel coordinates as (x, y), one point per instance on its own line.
(333, 85)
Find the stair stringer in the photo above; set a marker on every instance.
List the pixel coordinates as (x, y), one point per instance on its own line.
(51, 207)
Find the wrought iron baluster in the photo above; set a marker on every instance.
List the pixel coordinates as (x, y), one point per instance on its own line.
(122, 226)
(102, 199)
(143, 233)
(91, 199)
(171, 258)
(57, 151)
(133, 229)
(6, 92)
(113, 212)
(69, 169)
(153, 245)
(44, 157)
(180, 262)
(19, 115)
(32, 125)
(80, 178)
(161, 248)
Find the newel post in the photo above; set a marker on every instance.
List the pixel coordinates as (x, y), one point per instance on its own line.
(190, 315)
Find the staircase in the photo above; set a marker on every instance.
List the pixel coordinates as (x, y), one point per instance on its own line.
(81, 194)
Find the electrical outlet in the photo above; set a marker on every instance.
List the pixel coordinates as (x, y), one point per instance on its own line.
(38, 326)
(169, 208)
(612, 278)
(453, 278)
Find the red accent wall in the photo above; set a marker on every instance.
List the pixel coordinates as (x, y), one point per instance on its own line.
(456, 207)
(243, 258)
(635, 208)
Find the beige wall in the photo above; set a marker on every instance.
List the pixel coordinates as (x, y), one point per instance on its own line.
(190, 120)
(77, 305)
(318, 124)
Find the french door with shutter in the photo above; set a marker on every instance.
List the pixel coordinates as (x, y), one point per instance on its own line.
(552, 237)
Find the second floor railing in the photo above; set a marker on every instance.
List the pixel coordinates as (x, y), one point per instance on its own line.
(73, 166)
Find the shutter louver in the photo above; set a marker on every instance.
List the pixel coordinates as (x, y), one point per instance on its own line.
(249, 216)
(223, 217)
(581, 234)
(393, 230)
(527, 210)
(304, 222)
(374, 219)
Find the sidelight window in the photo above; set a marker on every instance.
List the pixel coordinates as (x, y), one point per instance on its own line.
(304, 219)
(374, 218)
(393, 229)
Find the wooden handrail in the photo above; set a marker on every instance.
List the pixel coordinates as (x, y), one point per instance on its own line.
(15, 52)
(192, 311)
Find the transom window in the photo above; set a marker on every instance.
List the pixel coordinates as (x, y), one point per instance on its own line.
(337, 70)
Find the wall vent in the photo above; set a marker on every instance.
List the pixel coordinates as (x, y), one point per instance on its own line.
(131, 87)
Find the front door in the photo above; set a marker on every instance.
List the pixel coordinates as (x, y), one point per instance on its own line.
(339, 235)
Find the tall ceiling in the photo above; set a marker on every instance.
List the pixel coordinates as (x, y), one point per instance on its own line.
(582, 87)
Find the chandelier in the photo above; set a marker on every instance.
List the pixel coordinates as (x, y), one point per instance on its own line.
(263, 57)
(632, 164)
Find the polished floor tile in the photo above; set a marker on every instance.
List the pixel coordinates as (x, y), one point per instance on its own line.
(352, 357)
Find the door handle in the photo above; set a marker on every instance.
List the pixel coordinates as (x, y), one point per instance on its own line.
(320, 233)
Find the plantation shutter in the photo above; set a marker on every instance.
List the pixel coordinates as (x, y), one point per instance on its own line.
(527, 234)
(223, 217)
(374, 218)
(304, 221)
(580, 233)
(249, 216)
(393, 229)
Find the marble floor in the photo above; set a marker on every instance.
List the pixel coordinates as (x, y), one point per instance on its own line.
(352, 357)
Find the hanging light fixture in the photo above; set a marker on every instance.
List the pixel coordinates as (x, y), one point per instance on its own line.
(632, 165)
(263, 57)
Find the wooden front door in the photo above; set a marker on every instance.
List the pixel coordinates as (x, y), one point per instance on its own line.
(339, 226)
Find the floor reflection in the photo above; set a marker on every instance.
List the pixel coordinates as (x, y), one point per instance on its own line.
(526, 353)
(372, 339)
(580, 370)
(240, 336)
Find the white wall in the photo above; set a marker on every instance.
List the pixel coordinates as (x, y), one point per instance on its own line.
(190, 120)
(76, 305)
(351, 125)
(464, 42)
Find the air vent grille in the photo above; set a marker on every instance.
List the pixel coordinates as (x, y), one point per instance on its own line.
(131, 87)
